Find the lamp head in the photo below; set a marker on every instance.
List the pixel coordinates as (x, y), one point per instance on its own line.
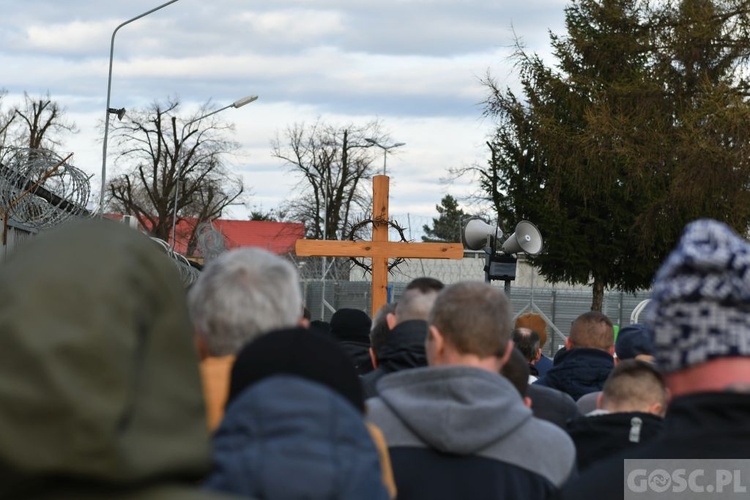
(119, 112)
(245, 100)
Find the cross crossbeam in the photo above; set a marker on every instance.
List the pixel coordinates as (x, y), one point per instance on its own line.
(379, 249)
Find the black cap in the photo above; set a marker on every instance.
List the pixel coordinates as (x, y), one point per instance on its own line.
(301, 352)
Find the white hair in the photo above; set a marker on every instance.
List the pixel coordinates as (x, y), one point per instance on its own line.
(244, 293)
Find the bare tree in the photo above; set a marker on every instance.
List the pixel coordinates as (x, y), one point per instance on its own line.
(158, 152)
(41, 123)
(332, 162)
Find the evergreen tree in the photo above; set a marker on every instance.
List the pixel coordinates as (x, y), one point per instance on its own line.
(447, 227)
(635, 131)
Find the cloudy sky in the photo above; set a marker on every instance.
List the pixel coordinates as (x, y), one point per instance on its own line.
(415, 65)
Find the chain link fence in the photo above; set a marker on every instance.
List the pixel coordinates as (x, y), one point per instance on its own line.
(558, 306)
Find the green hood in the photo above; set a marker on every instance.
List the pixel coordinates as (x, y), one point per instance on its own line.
(99, 382)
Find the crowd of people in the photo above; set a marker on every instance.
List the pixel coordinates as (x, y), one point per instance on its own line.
(117, 383)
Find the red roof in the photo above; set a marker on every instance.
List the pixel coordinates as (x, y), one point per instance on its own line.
(276, 237)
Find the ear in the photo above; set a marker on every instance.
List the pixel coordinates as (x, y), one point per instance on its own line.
(372, 358)
(434, 346)
(538, 354)
(656, 409)
(527, 401)
(612, 350)
(568, 343)
(390, 319)
(599, 400)
(506, 355)
(304, 322)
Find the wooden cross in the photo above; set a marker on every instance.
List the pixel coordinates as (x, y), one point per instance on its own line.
(379, 249)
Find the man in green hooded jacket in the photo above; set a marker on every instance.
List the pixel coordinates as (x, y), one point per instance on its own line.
(100, 395)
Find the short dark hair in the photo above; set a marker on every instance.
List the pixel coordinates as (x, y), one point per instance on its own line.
(425, 284)
(527, 341)
(516, 370)
(418, 298)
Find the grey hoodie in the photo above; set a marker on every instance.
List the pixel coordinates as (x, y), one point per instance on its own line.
(472, 413)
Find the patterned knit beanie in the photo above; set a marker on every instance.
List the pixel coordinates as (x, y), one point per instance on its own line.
(700, 305)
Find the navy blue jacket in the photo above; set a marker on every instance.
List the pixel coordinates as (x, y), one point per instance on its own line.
(579, 371)
(542, 365)
(289, 438)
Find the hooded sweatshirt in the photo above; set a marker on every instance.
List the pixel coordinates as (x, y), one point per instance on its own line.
(463, 432)
(100, 395)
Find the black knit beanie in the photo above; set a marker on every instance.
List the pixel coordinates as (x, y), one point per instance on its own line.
(301, 352)
(351, 324)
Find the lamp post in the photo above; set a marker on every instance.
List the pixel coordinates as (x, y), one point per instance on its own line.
(384, 148)
(109, 110)
(236, 104)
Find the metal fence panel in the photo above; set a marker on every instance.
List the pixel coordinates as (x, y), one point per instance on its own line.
(559, 306)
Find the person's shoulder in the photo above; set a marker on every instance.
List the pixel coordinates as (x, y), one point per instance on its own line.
(556, 457)
(602, 480)
(553, 437)
(548, 450)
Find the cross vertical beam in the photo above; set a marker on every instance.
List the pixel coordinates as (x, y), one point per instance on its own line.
(379, 249)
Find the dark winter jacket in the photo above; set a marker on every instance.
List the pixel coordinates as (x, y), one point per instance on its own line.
(603, 435)
(552, 405)
(579, 371)
(463, 432)
(403, 349)
(542, 365)
(359, 352)
(290, 438)
(100, 395)
(697, 426)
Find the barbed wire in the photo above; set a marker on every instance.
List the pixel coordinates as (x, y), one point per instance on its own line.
(188, 274)
(41, 189)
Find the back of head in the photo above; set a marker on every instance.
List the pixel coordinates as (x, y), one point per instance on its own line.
(516, 370)
(417, 300)
(242, 294)
(534, 322)
(592, 330)
(527, 342)
(297, 352)
(634, 385)
(474, 318)
(351, 325)
(634, 341)
(97, 341)
(699, 304)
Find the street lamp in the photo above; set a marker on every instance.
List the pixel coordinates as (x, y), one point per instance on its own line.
(236, 104)
(121, 112)
(384, 148)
